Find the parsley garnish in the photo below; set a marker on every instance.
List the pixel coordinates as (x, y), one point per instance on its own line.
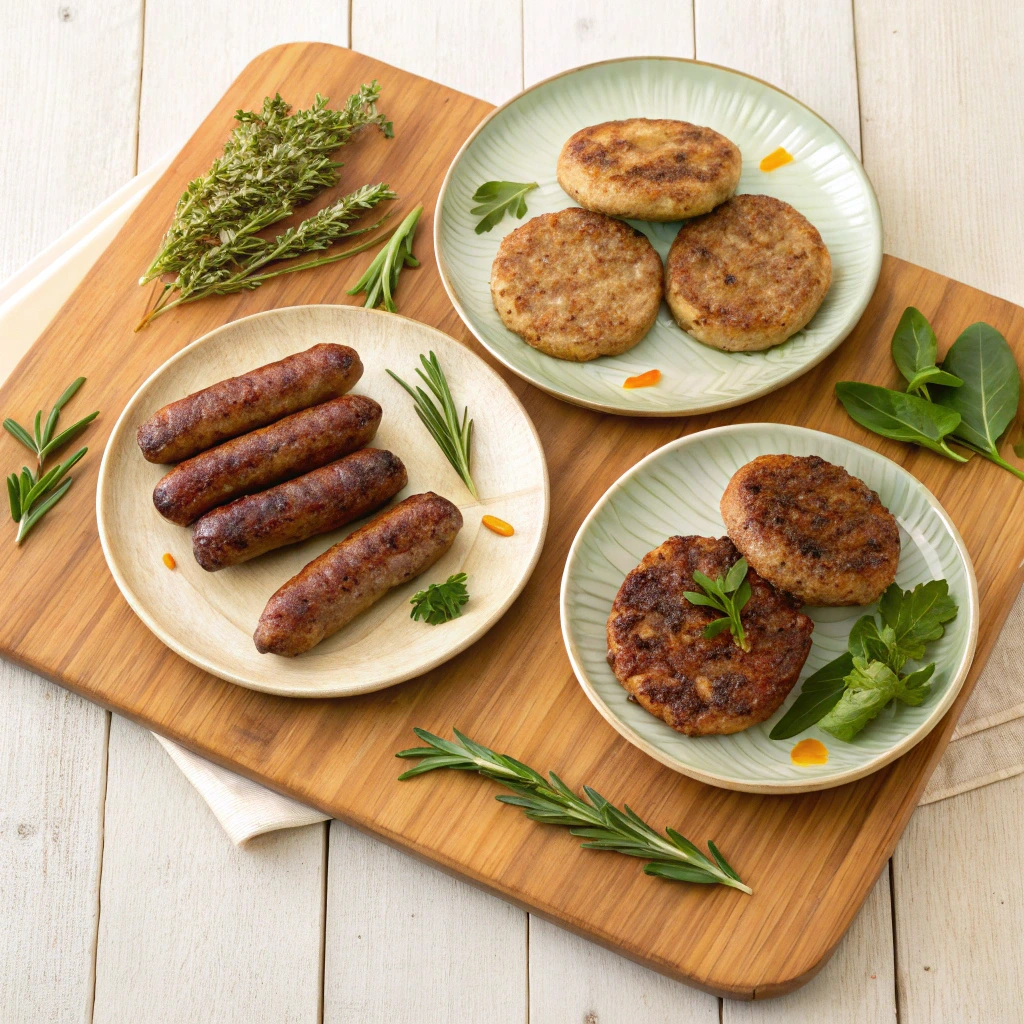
(440, 602)
(495, 197)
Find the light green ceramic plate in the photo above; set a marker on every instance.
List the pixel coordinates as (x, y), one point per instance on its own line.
(521, 141)
(676, 490)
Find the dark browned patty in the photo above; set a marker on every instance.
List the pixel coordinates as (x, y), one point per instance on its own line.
(812, 529)
(577, 285)
(649, 169)
(748, 275)
(657, 650)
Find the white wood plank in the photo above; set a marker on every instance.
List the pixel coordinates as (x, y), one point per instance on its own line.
(51, 780)
(69, 89)
(194, 51)
(572, 980)
(558, 36)
(960, 908)
(193, 928)
(857, 984)
(470, 46)
(406, 943)
(805, 48)
(941, 87)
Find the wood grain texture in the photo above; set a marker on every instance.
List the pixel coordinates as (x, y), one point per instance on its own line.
(193, 928)
(405, 943)
(812, 860)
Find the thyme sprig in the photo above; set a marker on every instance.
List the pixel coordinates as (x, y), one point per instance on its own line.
(592, 818)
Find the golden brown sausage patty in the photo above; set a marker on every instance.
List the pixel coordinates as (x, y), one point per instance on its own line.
(657, 650)
(748, 275)
(812, 529)
(649, 170)
(577, 285)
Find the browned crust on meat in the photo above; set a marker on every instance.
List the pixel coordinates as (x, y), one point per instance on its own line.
(394, 547)
(812, 529)
(649, 169)
(577, 285)
(317, 502)
(748, 275)
(235, 406)
(288, 448)
(700, 687)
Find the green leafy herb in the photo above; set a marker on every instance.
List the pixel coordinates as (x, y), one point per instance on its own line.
(453, 437)
(592, 818)
(987, 401)
(381, 278)
(728, 595)
(33, 494)
(497, 197)
(818, 696)
(441, 602)
(914, 349)
(274, 162)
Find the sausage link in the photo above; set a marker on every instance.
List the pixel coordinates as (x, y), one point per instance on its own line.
(235, 406)
(332, 590)
(317, 502)
(288, 448)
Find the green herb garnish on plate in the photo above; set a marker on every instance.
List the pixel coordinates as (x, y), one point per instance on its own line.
(550, 801)
(727, 595)
(440, 602)
(495, 198)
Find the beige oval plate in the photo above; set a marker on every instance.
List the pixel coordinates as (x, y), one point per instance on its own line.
(209, 618)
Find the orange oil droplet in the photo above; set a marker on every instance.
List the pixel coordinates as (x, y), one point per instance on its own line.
(779, 158)
(169, 560)
(643, 380)
(498, 526)
(809, 752)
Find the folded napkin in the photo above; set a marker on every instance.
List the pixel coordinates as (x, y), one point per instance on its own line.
(988, 744)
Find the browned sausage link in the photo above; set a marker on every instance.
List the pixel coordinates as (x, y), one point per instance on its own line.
(288, 448)
(332, 590)
(314, 503)
(233, 407)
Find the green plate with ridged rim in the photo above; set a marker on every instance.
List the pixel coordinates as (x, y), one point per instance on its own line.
(676, 490)
(520, 141)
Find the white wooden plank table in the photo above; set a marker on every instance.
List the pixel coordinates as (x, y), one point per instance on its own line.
(120, 898)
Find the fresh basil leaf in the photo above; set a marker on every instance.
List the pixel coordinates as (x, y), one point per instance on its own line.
(497, 197)
(914, 345)
(921, 617)
(900, 417)
(736, 575)
(987, 402)
(933, 375)
(819, 694)
(915, 687)
(889, 604)
(712, 629)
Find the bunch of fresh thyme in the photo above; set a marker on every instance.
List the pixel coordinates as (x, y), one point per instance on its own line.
(602, 824)
(273, 162)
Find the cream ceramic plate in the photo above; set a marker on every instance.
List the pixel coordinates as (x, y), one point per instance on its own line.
(676, 490)
(209, 618)
(521, 141)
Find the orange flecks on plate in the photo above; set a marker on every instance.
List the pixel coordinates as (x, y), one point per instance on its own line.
(643, 380)
(809, 752)
(169, 560)
(777, 159)
(498, 526)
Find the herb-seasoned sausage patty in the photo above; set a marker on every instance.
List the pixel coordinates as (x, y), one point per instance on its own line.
(649, 169)
(577, 285)
(747, 276)
(812, 529)
(657, 649)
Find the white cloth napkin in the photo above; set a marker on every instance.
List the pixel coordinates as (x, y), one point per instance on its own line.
(988, 744)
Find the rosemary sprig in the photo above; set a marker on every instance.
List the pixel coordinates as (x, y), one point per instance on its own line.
(381, 278)
(728, 596)
(453, 437)
(27, 488)
(440, 602)
(550, 801)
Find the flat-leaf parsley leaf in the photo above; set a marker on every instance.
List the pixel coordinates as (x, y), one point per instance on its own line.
(495, 197)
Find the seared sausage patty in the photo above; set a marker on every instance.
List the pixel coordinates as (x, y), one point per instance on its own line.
(577, 285)
(649, 169)
(747, 276)
(332, 590)
(235, 406)
(657, 650)
(812, 529)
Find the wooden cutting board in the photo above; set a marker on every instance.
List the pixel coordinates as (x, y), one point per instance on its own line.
(811, 860)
